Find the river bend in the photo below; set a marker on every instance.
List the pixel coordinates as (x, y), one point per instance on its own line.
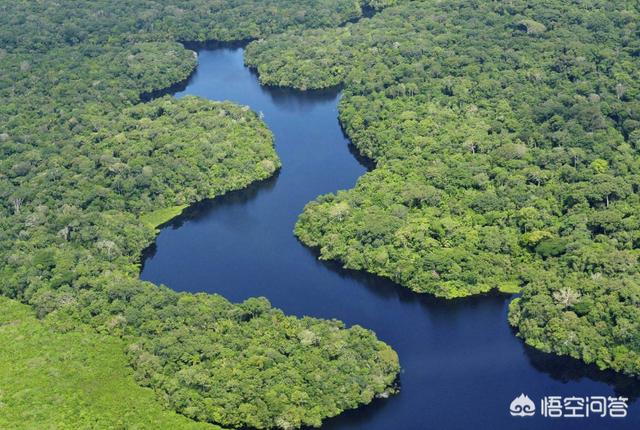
(462, 364)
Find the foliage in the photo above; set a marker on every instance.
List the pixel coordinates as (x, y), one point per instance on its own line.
(87, 172)
(250, 365)
(156, 218)
(505, 136)
(78, 379)
(42, 25)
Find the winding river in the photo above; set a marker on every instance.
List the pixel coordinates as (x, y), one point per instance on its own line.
(462, 364)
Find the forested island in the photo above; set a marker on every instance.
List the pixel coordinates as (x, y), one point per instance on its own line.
(504, 136)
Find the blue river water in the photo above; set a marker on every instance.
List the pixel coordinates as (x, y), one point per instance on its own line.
(462, 364)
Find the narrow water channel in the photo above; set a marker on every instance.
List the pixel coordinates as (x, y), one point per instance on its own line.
(462, 364)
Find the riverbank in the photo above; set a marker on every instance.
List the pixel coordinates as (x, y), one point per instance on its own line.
(452, 352)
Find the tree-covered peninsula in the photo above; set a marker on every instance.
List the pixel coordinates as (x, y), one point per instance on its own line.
(87, 173)
(506, 138)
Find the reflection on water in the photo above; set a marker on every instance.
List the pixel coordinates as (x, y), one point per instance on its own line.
(567, 369)
(204, 208)
(462, 364)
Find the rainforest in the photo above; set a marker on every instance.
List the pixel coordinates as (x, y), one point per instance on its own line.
(496, 159)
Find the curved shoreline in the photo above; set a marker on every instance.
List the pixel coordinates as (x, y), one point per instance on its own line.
(215, 211)
(149, 251)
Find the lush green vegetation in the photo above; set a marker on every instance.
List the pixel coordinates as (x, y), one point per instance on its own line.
(250, 365)
(156, 218)
(72, 380)
(86, 175)
(46, 24)
(506, 138)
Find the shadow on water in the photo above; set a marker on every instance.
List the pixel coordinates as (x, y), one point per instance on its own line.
(567, 369)
(289, 98)
(196, 47)
(204, 208)
(457, 355)
(386, 289)
(364, 161)
(172, 89)
(360, 417)
(211, 45)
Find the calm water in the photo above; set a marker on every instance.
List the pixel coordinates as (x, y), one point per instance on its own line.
(461, 363)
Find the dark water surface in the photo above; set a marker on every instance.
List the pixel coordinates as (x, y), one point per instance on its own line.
(462, 365)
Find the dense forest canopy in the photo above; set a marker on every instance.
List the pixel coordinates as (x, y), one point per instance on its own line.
(506, 139)
(77, 379)
(86, 174)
